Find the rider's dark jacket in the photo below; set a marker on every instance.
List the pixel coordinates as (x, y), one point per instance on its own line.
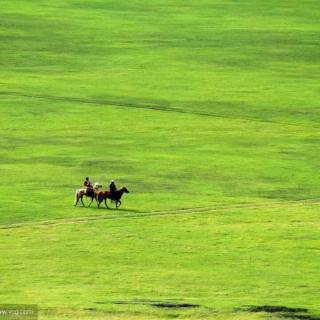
(113, 188)
(87, 184)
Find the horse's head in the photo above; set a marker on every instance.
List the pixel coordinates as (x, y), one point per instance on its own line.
(125, 190)
(97, 185)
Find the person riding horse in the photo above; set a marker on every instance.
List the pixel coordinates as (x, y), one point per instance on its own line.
(87, 183)
(113, 188)
(116, 198)
(93, 191)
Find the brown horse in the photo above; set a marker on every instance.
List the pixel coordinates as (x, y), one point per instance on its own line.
(89, 193)
(116, 196)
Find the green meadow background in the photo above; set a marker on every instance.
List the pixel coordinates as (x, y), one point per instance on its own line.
(208, 111)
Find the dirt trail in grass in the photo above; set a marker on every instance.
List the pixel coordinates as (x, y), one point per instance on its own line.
(173, 212)
(137, 105)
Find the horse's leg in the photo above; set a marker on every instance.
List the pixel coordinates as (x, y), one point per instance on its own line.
(76, 199)
(105, 202)
(91, 201)
(81, 198)
(97, 200)
(118, 203)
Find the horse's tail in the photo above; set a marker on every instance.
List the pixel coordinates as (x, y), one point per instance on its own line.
(76, 198)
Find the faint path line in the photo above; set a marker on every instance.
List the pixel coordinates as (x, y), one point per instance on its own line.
(114, 103)
(148, 106)
(172, 212)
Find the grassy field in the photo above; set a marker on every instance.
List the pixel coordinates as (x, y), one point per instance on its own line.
(208, 111)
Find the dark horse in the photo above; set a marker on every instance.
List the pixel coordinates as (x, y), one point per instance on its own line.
(116, 196)
(89, 193)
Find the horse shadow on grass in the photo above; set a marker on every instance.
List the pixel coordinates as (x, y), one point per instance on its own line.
(282, 312)
(112, 209)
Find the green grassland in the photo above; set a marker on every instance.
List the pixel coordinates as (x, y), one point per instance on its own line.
(208, 111)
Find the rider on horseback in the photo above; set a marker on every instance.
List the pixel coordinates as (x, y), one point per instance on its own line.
(87, 184)
(113, 188)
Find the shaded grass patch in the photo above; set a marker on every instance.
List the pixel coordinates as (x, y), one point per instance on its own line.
(284, 312)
